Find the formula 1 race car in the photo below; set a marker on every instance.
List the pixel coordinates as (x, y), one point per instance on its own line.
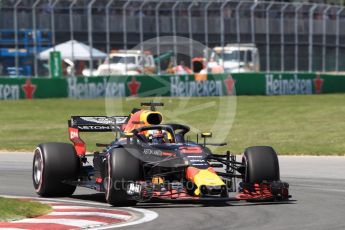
(150, 161)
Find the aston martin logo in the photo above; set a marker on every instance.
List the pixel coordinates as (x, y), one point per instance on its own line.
(98, 120)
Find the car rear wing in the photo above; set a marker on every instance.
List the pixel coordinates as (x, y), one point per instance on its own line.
(97, 124)
(92, 124)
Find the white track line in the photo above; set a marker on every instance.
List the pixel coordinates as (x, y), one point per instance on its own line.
(101, 214)
(71, 207)
(75, 222)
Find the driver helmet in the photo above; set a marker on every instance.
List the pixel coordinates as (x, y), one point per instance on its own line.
(156, 137)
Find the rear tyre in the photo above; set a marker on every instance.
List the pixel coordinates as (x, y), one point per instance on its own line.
(261, 164)
(122, 169)
(52, 164)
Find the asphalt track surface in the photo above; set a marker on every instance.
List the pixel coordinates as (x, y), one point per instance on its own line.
(317, 186)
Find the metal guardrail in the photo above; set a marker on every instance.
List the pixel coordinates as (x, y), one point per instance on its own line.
(290, 36)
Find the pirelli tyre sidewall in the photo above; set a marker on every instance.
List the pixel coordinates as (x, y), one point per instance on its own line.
(53, 164)
(261, 164)
(122, 169)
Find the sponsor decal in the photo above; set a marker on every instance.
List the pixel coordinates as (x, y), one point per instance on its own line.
(88, 89)
(133, 87)
(190, 150)
(318, 83)
(196, 160)
(133, 189)
(9, 92)
(180, 87)
(94, 127)
(153, 152)
(199, 164)
(73, 135)
(98, 120)
(276, 85)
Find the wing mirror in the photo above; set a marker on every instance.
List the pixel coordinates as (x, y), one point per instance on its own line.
(205, 136)
(128, 136)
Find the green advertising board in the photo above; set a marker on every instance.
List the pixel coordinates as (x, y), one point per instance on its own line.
(20, 88)
(55, 64)
(172, 85)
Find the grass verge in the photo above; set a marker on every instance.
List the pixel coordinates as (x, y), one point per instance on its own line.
(14, 209)
(297, 125)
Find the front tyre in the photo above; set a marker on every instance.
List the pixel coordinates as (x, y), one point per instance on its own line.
(122, 169)
(261, 164)
(54, 163)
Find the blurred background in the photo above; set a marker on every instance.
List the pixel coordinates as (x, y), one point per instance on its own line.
(93, 37)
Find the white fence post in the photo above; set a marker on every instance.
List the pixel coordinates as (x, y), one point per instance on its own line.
(89, 17)
(190, 30)
(268, 48)
(15, 22)
(222, 32)
(337, 34)
(282, 38)
(296, 36)
(311, 34)
(71, 24)
(34, 30)
(206, 33)
(124, 24)
(107, 28)
(174, 31)
(238, 32)
(141, 32)
(158, 50)
(52, 16)
(252, 19)
(324, 42)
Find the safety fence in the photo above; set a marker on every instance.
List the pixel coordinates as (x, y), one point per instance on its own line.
(292, 36)
(172, 85)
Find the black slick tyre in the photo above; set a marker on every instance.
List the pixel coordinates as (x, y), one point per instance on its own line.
(261, 164)
(122, 169)
(53, 164)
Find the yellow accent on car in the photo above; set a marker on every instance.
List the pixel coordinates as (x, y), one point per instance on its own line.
(205, 177)
(203, 135)
(129, 135)
(157, 180)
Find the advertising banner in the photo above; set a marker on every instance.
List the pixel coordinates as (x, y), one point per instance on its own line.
(21, 88)
(55, 64)
(172, 85)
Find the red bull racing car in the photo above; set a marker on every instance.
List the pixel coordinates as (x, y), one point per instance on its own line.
(150, 160)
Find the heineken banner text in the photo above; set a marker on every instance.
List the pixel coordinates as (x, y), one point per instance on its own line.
(172, 85)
